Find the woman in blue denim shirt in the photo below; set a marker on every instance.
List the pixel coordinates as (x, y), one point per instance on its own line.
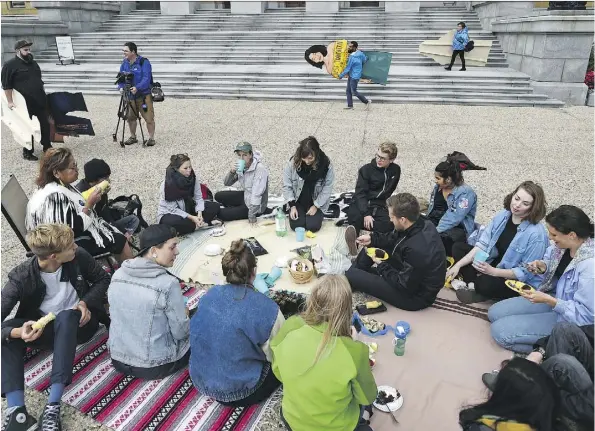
(518, 323)
(453, 205)
(511, 240)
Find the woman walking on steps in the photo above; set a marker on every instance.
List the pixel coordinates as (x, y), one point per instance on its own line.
(460, 40)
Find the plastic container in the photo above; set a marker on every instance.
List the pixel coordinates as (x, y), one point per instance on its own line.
(399, 345)
(280, 223)
(240, 166)
(480, 256)
(300, 234)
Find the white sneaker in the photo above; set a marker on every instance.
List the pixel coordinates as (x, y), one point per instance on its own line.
(458, 284)
(368, 104)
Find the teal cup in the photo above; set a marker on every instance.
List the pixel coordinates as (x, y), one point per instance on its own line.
(480, 256)
(300, 234)
(240, 165)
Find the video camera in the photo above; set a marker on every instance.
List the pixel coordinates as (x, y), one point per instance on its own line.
(124, 78)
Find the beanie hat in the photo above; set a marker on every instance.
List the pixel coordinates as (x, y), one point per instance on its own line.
(96, 169)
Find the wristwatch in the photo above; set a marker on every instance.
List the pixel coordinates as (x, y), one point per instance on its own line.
(540, 350)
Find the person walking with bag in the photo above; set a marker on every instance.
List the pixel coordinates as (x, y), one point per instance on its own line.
(460, 40)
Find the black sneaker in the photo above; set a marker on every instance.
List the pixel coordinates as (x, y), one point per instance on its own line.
(28, 155)
(462, 70)
(447, 68)
(150, 142)
(50, 418)
(19, 420)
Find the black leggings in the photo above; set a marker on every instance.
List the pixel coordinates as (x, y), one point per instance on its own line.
(382, 223)
(461, 54)
(265, 390)
(152, 373)
(234, 206)
(185, 226)
(311, 223)
(485, 285)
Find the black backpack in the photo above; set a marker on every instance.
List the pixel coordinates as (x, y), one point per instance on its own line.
(470, 45)
(123, 206)
(156, 91)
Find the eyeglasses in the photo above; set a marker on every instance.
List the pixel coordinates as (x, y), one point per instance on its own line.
(382, 159)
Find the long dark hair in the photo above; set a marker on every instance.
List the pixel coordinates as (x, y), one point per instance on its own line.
(450, 169)
(307, 147)
(313, 49)
(54, 159)
(524, 393)
(568, 218)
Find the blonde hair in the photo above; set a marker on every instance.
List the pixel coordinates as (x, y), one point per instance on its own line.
(330, 302)
(389, 148)
(47, 239)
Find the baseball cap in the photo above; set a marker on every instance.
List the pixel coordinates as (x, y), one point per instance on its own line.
(154, 235)
(246, 147)
(22, 43)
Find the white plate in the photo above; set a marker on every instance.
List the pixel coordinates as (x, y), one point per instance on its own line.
(390, 407)
(218, 231)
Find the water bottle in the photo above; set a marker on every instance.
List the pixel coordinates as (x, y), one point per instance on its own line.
(399, 345)
(280, 223)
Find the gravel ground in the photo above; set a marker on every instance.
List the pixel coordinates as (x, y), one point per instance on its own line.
(552, 147)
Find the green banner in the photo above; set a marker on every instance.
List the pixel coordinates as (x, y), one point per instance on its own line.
(377, 67)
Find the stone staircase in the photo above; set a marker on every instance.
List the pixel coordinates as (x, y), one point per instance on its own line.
(218, 55)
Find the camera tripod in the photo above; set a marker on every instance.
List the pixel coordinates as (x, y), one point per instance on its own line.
(127, 104)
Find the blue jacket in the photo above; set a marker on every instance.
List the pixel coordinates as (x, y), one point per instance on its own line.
(460, 40)
(529, 244)
(574, 288)
(229, 341)
(355, 64)
(462, 206)
(142, 75)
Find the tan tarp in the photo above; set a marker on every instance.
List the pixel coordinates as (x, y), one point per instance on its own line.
(441, 50)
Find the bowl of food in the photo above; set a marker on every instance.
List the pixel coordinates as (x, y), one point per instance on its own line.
(301, 270)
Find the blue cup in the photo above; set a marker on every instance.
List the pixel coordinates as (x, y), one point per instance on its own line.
(406, 327)
(300, 234)
(481, 256)
(240, 166)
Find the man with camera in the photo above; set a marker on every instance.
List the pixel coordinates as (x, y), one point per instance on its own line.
(135, 79)
(23, 74)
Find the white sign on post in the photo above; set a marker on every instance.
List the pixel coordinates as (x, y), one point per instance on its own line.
(65, 50)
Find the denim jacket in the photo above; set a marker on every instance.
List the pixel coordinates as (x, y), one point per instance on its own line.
(149, 323)
(462, 206)
(574, 288)
(529, 244)
(293, 185)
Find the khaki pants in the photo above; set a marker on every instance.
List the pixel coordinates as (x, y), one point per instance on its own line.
(136, 108)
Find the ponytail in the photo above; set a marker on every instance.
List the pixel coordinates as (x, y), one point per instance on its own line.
(450, 169)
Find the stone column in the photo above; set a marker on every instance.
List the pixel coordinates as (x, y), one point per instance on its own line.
(322, 7)
(177, 7)
(401, 6)
(248, 7)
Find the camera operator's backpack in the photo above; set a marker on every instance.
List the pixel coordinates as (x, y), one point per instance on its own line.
(123, 206)
(156, 91)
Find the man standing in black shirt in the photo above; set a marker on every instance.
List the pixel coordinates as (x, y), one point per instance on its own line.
(23, 74)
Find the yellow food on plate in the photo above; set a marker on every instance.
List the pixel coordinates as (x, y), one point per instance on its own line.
(310, 234)
(377, 253)
(519, 286)
(40, 324)
(370, 305)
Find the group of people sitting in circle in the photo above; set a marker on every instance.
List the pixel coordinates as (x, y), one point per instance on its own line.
(250, 348)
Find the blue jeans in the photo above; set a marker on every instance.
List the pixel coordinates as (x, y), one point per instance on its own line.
(127, 223)
(352, 91)
(517, 323)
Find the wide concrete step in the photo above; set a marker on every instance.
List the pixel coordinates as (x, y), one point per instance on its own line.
(438, 100)
(293, 35)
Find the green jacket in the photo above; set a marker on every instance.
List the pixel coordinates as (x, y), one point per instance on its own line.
(325, 396)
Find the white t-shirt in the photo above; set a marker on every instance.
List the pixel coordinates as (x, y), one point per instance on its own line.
(59, 295)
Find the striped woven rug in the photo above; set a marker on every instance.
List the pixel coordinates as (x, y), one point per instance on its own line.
(129, 404)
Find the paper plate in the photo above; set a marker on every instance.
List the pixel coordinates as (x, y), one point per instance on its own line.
(372, 253)
(390, 407)
(218, 231)
(519, 286)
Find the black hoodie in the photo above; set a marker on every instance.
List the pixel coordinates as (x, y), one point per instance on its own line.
(417, 262)
(375, 185)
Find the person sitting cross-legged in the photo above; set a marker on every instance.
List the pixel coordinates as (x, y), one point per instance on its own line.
(149, 334)
(413, 274)
(63, 279)
(253, 176)
(376, 182)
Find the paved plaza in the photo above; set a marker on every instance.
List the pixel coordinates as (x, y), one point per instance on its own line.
(551, 146)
